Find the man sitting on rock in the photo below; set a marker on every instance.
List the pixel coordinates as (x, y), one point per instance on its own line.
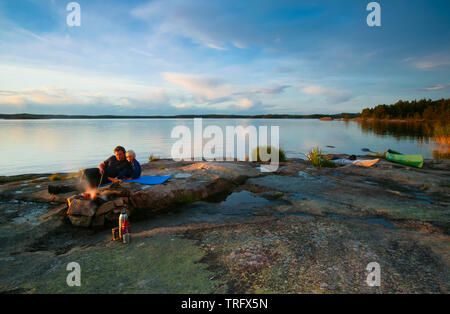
(109, 170)
(106, 172)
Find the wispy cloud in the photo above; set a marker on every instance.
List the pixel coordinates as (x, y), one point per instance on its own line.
(203, 86)
(245, 103)
(435, 61)
(206, 22)
(436, 87)
(144, 53)
(431, 64)
(217, 47)
(332, 94)
(53, 96)
(181, 106)
(269, 90)
(208, 56)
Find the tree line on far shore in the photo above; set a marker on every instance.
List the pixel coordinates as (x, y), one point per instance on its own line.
(424, 109)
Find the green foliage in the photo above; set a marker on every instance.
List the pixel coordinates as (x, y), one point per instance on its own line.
(152, 158)
(316, 157)
(425, 109)
(56, 177)
(188, 198)
(6, 179)
(326, 163)
(256, 153)
(279, 194)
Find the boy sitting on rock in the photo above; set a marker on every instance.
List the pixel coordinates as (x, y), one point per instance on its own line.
(135, 171)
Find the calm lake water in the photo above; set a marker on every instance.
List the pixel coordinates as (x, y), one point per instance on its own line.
(47, 146)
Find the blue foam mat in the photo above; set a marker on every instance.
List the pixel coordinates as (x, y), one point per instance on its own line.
(150, 180)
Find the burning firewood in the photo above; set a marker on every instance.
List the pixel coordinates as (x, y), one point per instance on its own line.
(95, 206)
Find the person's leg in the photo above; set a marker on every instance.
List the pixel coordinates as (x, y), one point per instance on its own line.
(60, 189)
(125, 173)
(92, 176)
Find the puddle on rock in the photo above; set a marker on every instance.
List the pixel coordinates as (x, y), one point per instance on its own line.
(236, 206)
(243, 198)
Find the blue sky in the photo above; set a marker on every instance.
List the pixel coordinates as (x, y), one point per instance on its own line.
(220, 56)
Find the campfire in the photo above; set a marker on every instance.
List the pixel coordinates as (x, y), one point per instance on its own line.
(90, 194)
(95, 206)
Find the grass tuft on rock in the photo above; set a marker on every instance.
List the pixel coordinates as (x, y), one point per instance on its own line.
(153, 158)
(55, 177)
(186, 199)
(257, 157)
(317, 159)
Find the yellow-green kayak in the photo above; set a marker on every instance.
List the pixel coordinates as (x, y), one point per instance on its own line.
(409, 160)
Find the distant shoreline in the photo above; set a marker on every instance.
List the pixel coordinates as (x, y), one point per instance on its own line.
(323, 117)
(360, 119)
(27, 116)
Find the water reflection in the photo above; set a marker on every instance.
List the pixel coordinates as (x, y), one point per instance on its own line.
(46, 146)
(435, 136)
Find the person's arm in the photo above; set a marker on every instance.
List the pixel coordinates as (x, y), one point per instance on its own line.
(114, 179)
(124, 174)
(136, 170)
(101, 168)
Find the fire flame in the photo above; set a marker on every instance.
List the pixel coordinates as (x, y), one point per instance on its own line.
(91, 194)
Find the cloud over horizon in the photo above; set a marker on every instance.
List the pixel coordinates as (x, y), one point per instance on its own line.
(333, 95)
(258, 56)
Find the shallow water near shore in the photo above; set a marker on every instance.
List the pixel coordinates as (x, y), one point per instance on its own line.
(48, 146)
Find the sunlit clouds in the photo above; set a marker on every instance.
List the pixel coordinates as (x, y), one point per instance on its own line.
(332, 95)
(204, 87)
(245, 103)
(200, 57)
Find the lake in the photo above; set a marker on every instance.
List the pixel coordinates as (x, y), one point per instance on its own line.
(48, 146)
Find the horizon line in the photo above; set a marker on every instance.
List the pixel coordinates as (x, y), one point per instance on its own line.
(215, 115)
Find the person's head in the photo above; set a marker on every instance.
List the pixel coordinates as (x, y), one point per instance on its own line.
(119, 151)
(131, 155)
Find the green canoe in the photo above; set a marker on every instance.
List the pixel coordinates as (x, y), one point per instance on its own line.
(409, 160)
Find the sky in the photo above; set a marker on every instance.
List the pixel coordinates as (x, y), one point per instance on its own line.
(169, 57)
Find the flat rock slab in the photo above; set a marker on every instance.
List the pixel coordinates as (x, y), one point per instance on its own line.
(200, 181)
(355, 196)
(299, 230)
(264, 255)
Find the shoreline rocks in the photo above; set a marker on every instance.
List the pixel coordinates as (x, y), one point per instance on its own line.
(196, 181)
(290, 231)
